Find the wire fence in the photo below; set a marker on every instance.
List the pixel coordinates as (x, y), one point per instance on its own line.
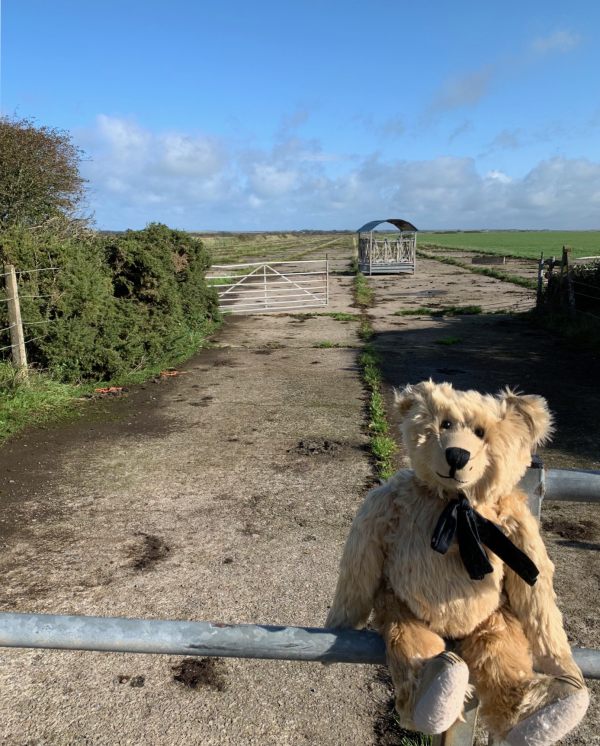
(570, 286)
(17, 326)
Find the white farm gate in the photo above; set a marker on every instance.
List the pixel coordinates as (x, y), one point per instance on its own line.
(261, 287)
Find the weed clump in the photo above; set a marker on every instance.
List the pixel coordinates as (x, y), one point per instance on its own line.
(444, 311)
(364, 295)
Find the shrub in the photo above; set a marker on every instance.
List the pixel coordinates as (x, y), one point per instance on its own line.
(118, 303)
(586, 285)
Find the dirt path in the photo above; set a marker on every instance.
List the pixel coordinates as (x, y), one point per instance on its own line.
(223, 494)
(487, 352)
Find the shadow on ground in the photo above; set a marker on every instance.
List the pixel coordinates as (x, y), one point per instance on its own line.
(489, 352)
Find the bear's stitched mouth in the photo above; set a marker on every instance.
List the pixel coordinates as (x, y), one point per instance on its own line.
(448, 476)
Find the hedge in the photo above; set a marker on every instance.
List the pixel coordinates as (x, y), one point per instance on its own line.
(118, 303)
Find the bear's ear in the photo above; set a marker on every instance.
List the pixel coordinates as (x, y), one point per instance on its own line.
(533, 410)
(405, 399)
(409, 395)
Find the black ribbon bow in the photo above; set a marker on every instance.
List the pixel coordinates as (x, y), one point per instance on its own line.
(473, 530)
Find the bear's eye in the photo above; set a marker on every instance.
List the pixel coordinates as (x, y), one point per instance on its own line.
(445, 424)
(479, 432)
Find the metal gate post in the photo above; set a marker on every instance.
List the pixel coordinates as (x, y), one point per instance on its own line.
(265, 285)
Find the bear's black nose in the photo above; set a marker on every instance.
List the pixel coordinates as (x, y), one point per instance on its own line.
(457, 458)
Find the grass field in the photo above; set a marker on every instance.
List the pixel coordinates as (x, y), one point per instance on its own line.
(527, 244)
(239, 247)
(228, 248)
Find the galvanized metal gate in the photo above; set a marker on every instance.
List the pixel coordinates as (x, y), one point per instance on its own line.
(261, 287)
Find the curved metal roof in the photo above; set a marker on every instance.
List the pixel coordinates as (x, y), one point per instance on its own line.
(402, 225)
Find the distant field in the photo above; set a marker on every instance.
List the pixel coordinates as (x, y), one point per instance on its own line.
(231, 248)
(527, 244)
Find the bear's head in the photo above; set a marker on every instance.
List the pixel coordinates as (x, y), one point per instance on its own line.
(466, 441)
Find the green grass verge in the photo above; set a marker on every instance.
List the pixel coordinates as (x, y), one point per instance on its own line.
(34, 401)
(444, 311)
(382, 446)
(41, 398)
(364, 295)
(365, 331)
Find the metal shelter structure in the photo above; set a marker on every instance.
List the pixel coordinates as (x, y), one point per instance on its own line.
(385, 255)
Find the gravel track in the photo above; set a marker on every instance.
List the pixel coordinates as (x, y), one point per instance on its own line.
(225, 494)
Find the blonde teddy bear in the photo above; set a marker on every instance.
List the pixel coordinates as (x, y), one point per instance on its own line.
(449, 552)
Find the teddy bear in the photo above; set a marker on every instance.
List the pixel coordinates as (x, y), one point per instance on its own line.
(449, 559)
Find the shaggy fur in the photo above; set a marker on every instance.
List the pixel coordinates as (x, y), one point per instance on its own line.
(502, 627)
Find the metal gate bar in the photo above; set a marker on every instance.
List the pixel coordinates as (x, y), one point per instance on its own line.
(166, 637)
(114, 634)
(272, 286)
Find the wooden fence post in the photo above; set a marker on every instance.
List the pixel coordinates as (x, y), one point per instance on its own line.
(569, 282)
(540, 280)
(17, 339)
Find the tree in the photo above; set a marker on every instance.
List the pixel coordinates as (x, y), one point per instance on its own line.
(39, 174)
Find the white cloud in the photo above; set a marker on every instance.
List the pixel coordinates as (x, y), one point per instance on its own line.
(190, 156)
(498, 176)
(199, 182)
(270, 181)
(559, 41)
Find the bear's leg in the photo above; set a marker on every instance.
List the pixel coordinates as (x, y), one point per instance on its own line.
(523, 707)
(429, 684)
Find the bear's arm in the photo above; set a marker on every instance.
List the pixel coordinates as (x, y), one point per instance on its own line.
(362, 562)
(535, 606)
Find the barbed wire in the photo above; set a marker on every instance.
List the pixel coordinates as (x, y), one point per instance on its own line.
(35, 296)
(42, 269)
(586, 284)
(31, 271)
(585, 295)
(35, 339)
(587, 313)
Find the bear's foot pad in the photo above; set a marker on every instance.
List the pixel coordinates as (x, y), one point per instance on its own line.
(551, 723)
(441, 693)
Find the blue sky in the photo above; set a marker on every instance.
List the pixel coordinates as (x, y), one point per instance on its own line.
(315, 114)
